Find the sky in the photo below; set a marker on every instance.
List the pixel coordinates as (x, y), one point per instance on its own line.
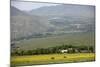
(27, 6)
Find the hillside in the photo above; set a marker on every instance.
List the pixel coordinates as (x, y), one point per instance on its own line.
(55, 19)
(57, 40)
(65, 10)
(23, 25)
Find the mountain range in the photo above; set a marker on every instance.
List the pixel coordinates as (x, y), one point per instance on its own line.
(52, 19)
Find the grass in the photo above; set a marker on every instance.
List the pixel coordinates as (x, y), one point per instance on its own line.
(69, 39)
(51, 59)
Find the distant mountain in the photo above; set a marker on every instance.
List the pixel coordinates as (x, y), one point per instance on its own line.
(68, 17)
(15, 11)
(24, 25)
(57, 19)
(68, 10)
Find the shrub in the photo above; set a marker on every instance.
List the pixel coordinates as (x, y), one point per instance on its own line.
(52, 58)
(64, 56)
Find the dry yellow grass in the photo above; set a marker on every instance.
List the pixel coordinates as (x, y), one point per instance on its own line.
(47, 59)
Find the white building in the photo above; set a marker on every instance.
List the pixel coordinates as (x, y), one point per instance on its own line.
(64, 51)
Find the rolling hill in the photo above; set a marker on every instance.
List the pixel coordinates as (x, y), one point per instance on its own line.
(23, 25)
(53, 25)
(65, 10)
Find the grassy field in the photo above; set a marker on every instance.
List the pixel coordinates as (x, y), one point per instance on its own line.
(68, 39)
(52, 58)
(56, 40)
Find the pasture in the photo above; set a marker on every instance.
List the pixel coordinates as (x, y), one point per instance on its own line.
(57, 40)
(51, 59)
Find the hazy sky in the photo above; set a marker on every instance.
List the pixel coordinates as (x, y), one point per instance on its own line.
(27, 6)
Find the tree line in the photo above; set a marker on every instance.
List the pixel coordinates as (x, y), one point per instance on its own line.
(53, 50)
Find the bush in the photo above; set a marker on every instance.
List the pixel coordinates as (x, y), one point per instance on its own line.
(52, 58)
(64, 56)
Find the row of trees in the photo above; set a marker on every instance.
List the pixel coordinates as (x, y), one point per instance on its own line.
(53, 50)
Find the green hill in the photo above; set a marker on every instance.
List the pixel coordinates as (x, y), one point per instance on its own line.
(56, 40)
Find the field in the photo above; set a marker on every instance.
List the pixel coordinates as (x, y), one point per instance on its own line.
(86, 39)
(56, 40)
(51, 33)
(52, 58)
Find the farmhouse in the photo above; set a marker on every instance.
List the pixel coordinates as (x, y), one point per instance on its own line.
(64, 51)
(69, 50)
